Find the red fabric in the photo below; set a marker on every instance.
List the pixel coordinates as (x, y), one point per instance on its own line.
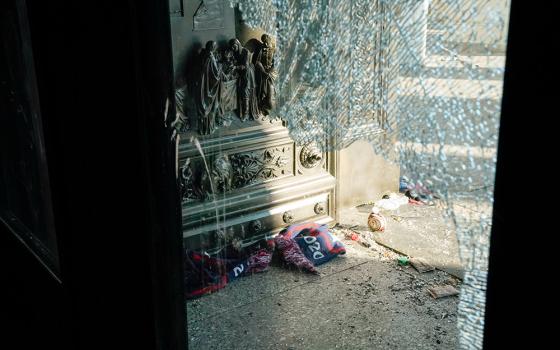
(259, 261)
(291, 254)
(208, 289)
(316, 241)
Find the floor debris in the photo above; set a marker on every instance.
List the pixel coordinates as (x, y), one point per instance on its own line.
(392, 201)
(367, 287)
(442, 291)
(376, 221)
(402, 260)
(421, 265)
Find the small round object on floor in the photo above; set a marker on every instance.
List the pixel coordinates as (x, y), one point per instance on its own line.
(377, 222)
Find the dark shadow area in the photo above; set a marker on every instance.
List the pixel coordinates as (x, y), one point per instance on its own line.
(515, 309)
(103, 78)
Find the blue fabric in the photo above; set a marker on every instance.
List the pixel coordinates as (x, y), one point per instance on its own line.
(316, 242)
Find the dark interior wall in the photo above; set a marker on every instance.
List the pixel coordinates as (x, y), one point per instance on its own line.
(24, 185)
(85, 76)
(188, 42)
(33, 303)
(104, 74)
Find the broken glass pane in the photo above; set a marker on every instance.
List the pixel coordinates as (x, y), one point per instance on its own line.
(421, 81)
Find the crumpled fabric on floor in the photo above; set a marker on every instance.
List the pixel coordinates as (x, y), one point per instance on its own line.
(206, 274)
(292, 254)
(316, 241)
(203, 274)
(259, 261)
(303, 246)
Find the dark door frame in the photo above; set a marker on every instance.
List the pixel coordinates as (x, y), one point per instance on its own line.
(105, 86)
(517, 310)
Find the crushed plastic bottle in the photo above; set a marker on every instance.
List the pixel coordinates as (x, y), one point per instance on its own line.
(391, 202)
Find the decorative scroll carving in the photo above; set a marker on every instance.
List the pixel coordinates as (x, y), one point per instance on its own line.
(220, 234)
(288, 217)
(222, 173)
(320, 208)
(194, 183)
(261, 165)
(310, 156)
(234, 171)
(186, 181)
(255, 226)
(197, 185)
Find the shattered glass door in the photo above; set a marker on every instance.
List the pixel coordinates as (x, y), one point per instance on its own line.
(337, 163)
(25, 198)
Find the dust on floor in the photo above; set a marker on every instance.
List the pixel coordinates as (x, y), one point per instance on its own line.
(363, 300)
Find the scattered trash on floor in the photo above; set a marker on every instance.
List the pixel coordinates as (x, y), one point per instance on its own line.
(416, 192)
(402, 260)
(359, 237)
(391, 201)
(442, 291)
(259, 261)
(303, 246)
(365, 208)
(316, 241)
(376, 221)
(205, 273)
(414, 202)
(352, 235)
(405, 184)
(421, 265)
(454, 281)
(291, 254)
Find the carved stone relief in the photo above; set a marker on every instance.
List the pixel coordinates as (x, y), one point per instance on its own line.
(232, 80)
(256, 226)
(320, 208)
(181, 123)
(288, 217)
(195, 183)
(261, 165)
(222, 174)
(228, 172)
(265, 74)
(310, 156)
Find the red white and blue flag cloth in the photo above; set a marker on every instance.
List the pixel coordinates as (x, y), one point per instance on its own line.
(316, 241)
(303, 245)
